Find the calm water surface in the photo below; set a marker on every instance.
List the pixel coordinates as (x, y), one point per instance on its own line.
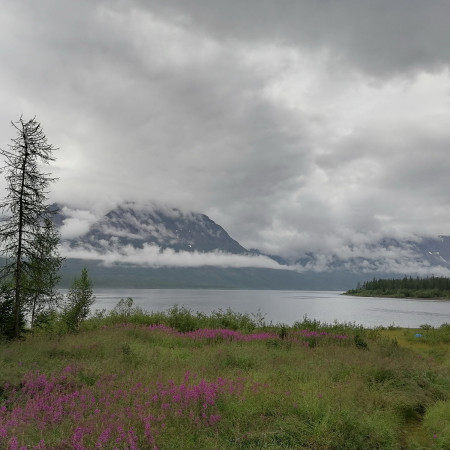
(288, 306)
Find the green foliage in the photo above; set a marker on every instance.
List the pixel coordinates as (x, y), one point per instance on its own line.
(181, 319)
(283, 333)
(429, 287)
(236, 321)
(125, 309)
(7, 320)
(433, 336)
(360, 342)
(80, 298)
(307, 324)
(336, 327)
(240, 361)
(178, 317)
(27, 238)
(44, 266)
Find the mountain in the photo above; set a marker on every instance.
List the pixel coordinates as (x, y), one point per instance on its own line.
(436, 250)
(164, 227)
(153, 230)
(142, 246)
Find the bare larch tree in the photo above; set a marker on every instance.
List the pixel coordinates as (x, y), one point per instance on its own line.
(26, 220)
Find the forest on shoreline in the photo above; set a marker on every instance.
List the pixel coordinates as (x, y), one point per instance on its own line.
(406, 287)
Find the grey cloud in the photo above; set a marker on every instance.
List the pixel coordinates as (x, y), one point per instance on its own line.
(367, 258)
(76, 223)
(381, 37)
(153, 256)
(297, 125)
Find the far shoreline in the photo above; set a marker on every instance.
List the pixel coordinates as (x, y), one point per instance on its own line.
(400, 297)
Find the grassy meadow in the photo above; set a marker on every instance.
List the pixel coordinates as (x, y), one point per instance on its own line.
(183, 380)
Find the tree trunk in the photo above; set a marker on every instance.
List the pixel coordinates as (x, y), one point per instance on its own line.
(18, 271)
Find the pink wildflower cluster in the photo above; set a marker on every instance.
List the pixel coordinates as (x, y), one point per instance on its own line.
(227, 335)
(222, 334)
(217, 334)
(231, 335)
(317, 334)
(108, 415)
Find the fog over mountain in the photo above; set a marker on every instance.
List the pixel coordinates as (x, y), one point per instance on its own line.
(153, 236)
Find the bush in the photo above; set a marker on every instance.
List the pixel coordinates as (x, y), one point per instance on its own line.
(79, 301)
(7, 330)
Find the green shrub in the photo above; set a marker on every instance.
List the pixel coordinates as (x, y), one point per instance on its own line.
(80, 298)
(7, 330)
(360, 342)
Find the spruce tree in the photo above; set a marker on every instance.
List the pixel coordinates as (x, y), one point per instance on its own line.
(26, 213)
(80, 298)
(44, 274)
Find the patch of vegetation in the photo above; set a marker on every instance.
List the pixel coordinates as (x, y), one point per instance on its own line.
(134, 379)
(429, 287)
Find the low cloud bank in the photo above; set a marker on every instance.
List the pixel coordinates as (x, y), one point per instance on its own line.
(153, 256)
(76, 222)
(392, 259)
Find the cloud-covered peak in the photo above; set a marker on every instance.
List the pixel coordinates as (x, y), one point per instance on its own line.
(145, 226)
(152, 235)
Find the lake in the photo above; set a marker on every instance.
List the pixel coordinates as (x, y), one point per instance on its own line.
(288, 306)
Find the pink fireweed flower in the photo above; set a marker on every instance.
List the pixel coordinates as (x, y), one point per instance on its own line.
(148, 432)
(132, 440)
(229, 335)
(121, 435)
(107, 414)
(13, 445)
(217, 335)
(77, 438)
(104, 437)
(316, 334)
(214, 418)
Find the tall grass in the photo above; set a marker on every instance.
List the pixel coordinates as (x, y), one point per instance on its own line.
(131, 379)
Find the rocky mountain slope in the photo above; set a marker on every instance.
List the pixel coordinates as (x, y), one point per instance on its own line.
(161, 226)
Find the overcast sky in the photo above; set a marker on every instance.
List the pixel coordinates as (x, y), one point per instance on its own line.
(297, 125)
